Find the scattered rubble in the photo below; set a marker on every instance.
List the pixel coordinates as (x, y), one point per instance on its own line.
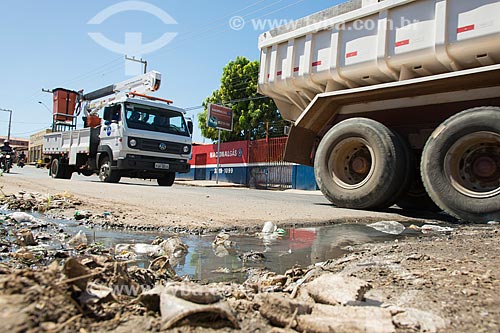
(51, 281)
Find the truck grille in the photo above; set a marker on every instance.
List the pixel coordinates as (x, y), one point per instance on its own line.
(154, 145)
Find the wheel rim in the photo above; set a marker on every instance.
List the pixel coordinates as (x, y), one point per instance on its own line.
(472, 165)
(104, 171)
(351, 163)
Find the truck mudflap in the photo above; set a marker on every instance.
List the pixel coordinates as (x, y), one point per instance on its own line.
(152, 164)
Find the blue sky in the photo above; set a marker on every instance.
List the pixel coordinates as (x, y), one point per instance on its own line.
(45, 44)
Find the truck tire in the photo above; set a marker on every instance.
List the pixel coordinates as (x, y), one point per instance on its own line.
(416, 198)
(461, 165)
(106, 174)
(87, 173)
(167, 180)
(57, 169)
(361, 164)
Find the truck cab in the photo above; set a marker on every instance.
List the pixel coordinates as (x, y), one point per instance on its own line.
(142, 139)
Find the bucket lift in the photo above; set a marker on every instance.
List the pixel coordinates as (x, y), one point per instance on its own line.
(69, 104)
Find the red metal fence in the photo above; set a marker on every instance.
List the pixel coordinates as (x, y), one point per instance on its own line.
(266, 166)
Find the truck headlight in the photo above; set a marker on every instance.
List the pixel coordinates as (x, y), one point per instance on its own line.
(186, 149)
(132, 142)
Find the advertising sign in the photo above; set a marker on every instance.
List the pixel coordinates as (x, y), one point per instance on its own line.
(220, 117)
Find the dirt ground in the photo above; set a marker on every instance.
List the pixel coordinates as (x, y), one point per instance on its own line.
(439, 282)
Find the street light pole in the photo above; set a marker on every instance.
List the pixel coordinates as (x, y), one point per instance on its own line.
(10, 122)
(45, 105)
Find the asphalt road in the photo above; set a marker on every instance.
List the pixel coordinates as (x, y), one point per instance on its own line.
(143, 201)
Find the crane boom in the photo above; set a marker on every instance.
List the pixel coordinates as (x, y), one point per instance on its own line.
(149, 82)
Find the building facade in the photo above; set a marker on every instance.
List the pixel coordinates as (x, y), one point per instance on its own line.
(256, 164)
(36, 146)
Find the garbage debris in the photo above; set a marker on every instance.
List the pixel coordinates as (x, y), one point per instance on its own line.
(95, 293)
(222, 246)
(346, 319)
(269, 227)
(26, 238)
(173, 247)
(428, 228)
(151, 251)
(82, 214)
(20, 217)
(336, 289)
(194, 293)
(79, 239)
(388, 227)
(252, 256)
(281, 310)
(162, 268)
(177, 311)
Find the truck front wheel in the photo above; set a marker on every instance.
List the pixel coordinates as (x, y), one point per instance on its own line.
(361, 164)
(461, 165)
(106, 174)
(167, 180)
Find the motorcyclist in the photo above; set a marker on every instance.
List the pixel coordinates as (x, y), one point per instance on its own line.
(21, 159)
(6, 148)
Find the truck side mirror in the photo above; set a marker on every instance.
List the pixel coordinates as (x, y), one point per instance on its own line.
(190, 126)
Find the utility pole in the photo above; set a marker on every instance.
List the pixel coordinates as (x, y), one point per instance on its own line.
(144, 62)
(10, 122)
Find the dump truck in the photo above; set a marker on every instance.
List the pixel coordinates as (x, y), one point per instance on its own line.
(127, 133)
(394, 101)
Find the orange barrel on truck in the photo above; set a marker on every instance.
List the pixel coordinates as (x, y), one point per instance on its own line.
(64, 104)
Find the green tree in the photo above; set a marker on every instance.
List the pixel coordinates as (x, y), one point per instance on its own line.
(238, 90)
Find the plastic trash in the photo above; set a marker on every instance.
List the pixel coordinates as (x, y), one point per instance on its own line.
(20, 217)
(141, 249)
(174, 247)
(388, 227)
(79, 239)
(435, 228)
(269, 227)
(81, 214)
(281, 232)
(222, 245)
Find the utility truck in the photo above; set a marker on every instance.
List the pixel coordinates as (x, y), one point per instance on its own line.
(394, 101)
(127, 133)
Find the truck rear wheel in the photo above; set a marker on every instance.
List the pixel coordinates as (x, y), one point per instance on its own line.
(167, 180)
(361, 164)
(461, 165)
(106, 174)
(59, 170)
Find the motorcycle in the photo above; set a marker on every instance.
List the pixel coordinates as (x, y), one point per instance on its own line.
(6, 162)
(21, 162)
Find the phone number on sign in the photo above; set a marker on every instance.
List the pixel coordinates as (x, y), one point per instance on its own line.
(224, 171)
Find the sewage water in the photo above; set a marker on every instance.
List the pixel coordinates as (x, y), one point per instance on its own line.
(299, 246)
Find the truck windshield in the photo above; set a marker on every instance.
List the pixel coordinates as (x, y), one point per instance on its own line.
(153, 119)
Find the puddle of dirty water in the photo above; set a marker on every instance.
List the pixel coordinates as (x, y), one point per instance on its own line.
(299, 246)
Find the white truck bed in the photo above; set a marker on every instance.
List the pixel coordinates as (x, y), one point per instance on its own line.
(390, 41)
(70, 143)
